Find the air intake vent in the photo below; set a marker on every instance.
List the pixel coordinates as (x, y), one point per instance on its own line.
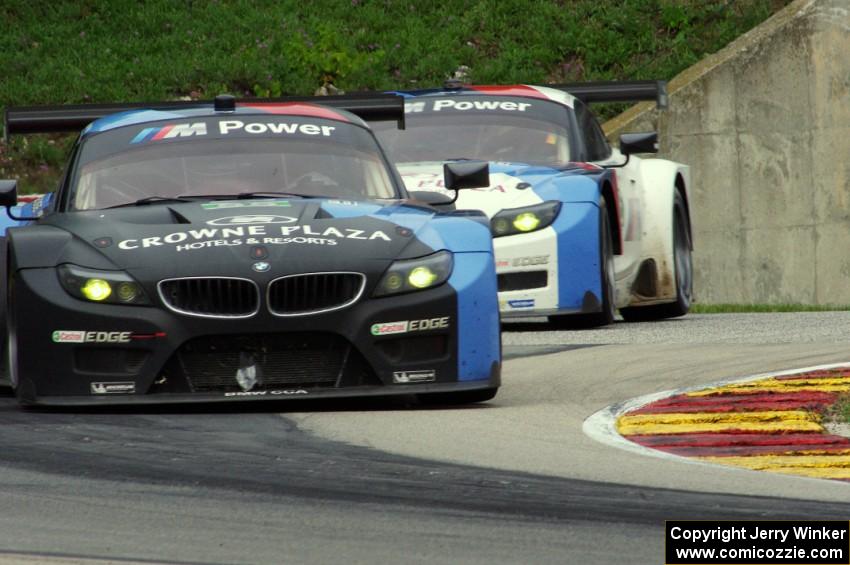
(522, 281)
(297, 295)
(211, 297)
(279, 361)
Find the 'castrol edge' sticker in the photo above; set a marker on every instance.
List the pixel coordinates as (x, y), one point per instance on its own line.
(405, 326)
(79, 336)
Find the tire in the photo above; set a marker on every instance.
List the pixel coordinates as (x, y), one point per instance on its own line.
(10, 366)
(24, 391)
(455, 398)
(4, 329)
(10, 344)
(684, 271)
(606, 259)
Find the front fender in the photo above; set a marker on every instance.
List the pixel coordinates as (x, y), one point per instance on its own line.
(569, 189)
(659, 179)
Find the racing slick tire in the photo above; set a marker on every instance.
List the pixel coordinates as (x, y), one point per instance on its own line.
(606, 259)
(5, 374)
(10, 369)
(683, 263)
(3, 353)
(464, 397)
(24, 391)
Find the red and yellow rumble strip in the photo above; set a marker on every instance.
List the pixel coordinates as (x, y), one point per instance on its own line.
(770, 424)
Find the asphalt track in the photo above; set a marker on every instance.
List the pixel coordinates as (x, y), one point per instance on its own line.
(513, 481)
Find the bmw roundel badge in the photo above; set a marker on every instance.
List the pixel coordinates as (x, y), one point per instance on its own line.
(261, 266)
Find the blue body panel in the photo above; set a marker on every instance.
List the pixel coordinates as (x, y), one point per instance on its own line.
(579, 270)
(6, 222)
(577, 227)
(479, 339)
(566, 186)
(457, 234)
(28, 210)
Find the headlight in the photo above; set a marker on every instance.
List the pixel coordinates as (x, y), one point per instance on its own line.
(524, 220)
(416, 274)
(109, 287)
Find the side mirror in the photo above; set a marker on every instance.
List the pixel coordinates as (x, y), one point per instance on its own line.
(631, 143)
(431, 197)
(8, 193)
(458, 175)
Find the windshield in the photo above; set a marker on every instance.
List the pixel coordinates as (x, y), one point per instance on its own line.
(478, 130)
(114, 172)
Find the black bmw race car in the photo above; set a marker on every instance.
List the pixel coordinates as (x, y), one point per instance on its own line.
(242, 250)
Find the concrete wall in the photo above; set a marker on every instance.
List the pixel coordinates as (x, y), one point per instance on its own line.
(765, 126)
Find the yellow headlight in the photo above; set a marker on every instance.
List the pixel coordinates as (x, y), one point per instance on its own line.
(96, 289)
(527, 221)
(421, 277)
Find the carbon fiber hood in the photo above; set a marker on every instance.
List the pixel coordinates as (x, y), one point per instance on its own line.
(228, 238)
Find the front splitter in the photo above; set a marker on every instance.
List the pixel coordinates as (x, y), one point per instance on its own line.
(287, 394)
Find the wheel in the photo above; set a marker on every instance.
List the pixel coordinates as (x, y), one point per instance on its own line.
(10, 363)
(606, 260)
(465, 397)
(4, 333)
(10, 349)
(24, 391)
(684, 268)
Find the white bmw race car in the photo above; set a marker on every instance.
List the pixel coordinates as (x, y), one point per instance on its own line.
(580, 229)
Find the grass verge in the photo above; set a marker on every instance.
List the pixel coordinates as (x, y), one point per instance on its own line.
(74, 51)
(839, 412)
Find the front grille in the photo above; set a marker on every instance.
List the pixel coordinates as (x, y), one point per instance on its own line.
(212, 297)
(279, 361)
(311, 293)
(522, 281)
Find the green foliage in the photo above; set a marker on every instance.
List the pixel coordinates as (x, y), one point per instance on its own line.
(839, 411)
(121, 50)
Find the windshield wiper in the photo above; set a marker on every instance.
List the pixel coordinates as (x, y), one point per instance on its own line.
(195, 197)
(271, 194)
(158, 200)
(245, 195)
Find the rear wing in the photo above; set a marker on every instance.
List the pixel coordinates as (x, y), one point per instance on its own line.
(618, 91)
(73, 118)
